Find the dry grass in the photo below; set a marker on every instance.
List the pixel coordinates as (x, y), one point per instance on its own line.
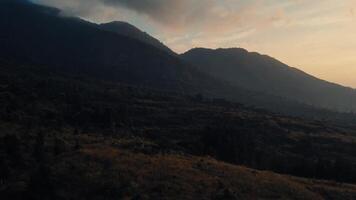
(115, 173)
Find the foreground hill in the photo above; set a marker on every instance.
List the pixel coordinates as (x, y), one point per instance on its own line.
(112, 173)
(66, 165)
(265, 74)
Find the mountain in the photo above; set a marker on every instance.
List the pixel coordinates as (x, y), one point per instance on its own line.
(39, 34)
(126, 29)
(265, 74)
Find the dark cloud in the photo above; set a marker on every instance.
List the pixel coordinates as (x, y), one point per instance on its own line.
(165, 11)
(162, 11)
(151, 7)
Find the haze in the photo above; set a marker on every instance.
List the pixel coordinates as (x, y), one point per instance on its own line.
(315, 36)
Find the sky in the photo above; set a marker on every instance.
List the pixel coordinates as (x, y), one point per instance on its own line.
(318, 37)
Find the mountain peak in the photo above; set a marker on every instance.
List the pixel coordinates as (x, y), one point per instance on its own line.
(129, 30)
(118, 25)
(234, 50)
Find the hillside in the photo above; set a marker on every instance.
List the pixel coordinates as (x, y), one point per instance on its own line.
(265, 74)
(39, 103)
(116, 173)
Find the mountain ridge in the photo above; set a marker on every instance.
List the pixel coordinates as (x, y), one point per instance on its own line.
(267, 56)
(129, 30)
(263, 73)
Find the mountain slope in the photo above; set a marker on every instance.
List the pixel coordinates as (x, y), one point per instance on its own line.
(128, 30)
(265, 74)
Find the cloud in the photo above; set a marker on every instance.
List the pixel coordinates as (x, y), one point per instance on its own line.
(191, 22)
(160, 10)
(175, 14)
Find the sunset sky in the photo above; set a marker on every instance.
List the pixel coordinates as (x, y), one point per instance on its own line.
(317, 36)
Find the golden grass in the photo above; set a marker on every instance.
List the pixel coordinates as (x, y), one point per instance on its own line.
(190, 177)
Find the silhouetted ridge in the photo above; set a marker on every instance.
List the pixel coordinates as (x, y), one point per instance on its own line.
(263, 73)
(126, 29)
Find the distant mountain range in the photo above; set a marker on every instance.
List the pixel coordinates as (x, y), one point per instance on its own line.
(120, 52)
(265, 74)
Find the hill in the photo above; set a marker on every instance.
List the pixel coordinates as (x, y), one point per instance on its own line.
(265, 74)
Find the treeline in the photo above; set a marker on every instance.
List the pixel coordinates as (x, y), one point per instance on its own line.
(263, 150)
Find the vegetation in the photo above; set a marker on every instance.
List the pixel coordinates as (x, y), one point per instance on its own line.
(66, 137)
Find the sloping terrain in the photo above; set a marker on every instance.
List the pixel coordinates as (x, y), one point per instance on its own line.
(92, 166)
(265, 74)
(128, 30)
(134, 175)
